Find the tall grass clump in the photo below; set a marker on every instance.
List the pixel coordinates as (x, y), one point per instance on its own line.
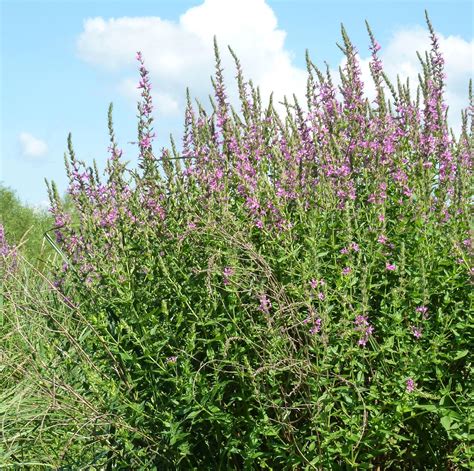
(288, 291)
(49, 418)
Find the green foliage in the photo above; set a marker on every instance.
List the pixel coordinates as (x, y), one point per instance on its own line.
(24, 226)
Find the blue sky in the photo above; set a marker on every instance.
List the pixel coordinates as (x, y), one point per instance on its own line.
(63, 62)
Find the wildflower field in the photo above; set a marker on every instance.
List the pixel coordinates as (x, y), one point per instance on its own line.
(282, 290)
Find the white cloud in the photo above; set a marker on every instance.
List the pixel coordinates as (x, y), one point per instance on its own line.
(32, 146)
(180, 54)
(166, 103)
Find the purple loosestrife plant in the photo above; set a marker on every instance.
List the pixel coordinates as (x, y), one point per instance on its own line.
(280, 193)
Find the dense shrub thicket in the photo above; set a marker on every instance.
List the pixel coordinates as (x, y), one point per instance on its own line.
(24, 226)
(286, 292)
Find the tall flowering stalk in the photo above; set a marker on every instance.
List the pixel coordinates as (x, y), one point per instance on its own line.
(145, 117)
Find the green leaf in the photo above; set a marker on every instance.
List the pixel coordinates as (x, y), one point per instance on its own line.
(446, 422)
(460, 354)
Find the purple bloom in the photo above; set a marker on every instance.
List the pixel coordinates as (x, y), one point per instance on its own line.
(390, 267)
(316, 327)
(382, 239)
(7, 251)
(57, 283)
(109, 219)
(146, 142)
(228, 272)
(315, 283)
(410, 385)
(172, 359)
(265, 304)
(363, 326)
(416, 332)
(346, 270)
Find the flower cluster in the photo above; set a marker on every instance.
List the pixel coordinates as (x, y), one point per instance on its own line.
(227, 273)
(364, 328)
(265, 304)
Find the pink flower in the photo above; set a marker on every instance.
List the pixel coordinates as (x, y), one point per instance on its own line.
(363, 326)
(382, 239)
(416, 332)
(316, 327)
(390, 267)
(315, 283)
(146, 142)
(410, 385)
(321, 296)
(228, 272)
(346, 270)
(344, 251)
(172, 359)
(423, 310)
(265, 304)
